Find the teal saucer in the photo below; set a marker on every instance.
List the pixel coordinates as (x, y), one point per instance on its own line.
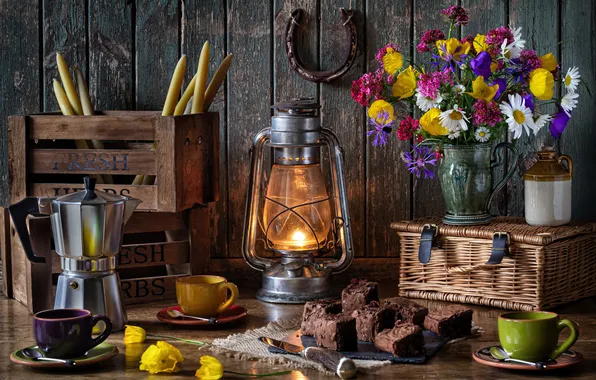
(98, 354)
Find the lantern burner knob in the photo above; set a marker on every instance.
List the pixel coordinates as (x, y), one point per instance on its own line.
(298, 106)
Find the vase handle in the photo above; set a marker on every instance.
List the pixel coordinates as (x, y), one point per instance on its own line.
(497, 160)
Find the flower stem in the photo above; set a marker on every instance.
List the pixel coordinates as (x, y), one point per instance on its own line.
(259, 374)
(175, 338)
(450, 29)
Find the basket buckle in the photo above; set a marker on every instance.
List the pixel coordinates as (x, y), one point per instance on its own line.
(427, 242)
(500, 249)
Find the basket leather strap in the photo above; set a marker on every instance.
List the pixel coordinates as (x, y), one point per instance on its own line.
(427, 242)
(500, 248)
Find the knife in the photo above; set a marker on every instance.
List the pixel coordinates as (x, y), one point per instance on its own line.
(332, 360)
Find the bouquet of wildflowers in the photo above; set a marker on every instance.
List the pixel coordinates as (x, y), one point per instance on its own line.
(474, 91)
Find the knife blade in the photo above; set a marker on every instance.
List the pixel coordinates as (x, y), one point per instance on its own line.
(332, 360)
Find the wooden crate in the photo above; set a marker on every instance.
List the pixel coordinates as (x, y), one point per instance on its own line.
(185, 160)
(43, 161)
(147, 251)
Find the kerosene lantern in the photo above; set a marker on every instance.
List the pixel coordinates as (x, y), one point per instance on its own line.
(294, 216)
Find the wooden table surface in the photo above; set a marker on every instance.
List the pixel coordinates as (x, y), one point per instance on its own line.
(453, 361)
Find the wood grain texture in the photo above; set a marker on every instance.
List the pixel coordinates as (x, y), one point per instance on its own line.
(5, 252)
(19, 71)
(111, 76)
(157, 50)
(201, 21)
(121, 127)
(534, 16)
(64, 31)
(148, 289)
(153, 222)
(578, 140)
(388, 181)
(40, 294)
(249, 100)
(427, 198)
(484, 16)
(341, 114)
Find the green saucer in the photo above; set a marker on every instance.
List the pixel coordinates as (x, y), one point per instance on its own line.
(98, 354)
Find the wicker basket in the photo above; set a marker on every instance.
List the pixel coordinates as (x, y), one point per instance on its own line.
(546, 266)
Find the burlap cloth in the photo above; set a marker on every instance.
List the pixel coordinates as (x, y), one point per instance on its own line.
(247, 346)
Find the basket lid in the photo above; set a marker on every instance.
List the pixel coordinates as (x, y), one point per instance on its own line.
(519, 231)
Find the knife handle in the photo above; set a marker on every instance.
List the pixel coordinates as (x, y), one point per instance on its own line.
(332, 360)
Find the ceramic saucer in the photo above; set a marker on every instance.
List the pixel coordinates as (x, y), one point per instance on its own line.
(233, 314)
(100, 353)
(567, 359)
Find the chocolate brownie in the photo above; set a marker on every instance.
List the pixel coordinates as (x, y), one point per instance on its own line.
(358, 294)
(451, 321)
(314, 310)
(372, 319)
(409, 311)
(404, 340)
(336, 332)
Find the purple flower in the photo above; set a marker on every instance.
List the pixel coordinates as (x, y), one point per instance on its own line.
(559, 122)
(529, 101)
(457, 14)
(382, 126)
(481, 65)
(417, 160)
(502, 82)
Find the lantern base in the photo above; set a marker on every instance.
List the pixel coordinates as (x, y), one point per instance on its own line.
(296, 282)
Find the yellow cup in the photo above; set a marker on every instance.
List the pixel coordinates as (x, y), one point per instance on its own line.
(205, 296)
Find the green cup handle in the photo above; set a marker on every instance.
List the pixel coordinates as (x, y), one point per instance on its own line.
(498, 160)
(573, 335)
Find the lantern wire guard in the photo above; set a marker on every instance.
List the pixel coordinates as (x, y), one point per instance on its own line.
(297, 218)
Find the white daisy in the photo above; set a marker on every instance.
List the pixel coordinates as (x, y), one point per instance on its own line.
(542, 120)
(482, 134)
(518, 116)
(459, 89)
(569, 102)
(454, 118)
(425, 103)
(572, 79)
(454, 134)
(518, 44)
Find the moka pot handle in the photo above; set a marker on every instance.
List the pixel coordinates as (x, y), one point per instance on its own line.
(18, 213)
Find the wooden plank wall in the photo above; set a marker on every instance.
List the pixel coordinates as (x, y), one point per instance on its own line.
(128, 50)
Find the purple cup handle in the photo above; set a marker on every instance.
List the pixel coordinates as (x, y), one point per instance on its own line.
(104, 335)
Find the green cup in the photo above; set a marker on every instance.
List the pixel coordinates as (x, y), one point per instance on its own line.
(534, 335)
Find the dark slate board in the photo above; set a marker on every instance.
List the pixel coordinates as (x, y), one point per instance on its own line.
(368, 351)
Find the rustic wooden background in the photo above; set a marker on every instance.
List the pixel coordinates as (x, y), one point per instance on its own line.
(128, 50)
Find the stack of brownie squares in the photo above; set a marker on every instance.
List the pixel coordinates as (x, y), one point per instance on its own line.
(394, 325)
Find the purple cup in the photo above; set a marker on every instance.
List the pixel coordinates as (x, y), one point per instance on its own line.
(66, 333)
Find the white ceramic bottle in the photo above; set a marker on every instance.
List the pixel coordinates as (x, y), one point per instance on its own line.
(548, 190)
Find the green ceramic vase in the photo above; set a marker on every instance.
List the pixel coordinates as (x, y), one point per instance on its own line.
(465, 173)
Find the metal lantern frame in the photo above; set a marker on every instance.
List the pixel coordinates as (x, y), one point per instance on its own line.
(296, 138)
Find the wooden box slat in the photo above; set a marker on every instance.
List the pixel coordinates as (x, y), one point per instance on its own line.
(92, 161)
(148, 289)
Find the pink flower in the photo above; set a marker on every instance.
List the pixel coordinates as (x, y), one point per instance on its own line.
(407, 128)
(530, 60)
(430, 83)
(487, 113)
(429, 38)
(457, 14)
(495, 38)
(368, 88)
(382, 51)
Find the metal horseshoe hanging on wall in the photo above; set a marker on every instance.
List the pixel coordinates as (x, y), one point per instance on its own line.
(321, 76)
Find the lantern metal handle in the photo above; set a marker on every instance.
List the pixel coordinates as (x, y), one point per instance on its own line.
(252, 202)
(338, 182)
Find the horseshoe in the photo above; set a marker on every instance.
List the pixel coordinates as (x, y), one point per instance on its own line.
(321, 76)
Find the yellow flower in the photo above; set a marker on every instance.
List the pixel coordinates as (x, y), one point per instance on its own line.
(542, 84)
(133, 353)
(161, 357)
(452, 49)
(392, 61)
(480, 43)
(378, 106)
(549, 62)
(134, 334)
(211, 368)
(405, 85)
(480, 90)
(430, 122)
